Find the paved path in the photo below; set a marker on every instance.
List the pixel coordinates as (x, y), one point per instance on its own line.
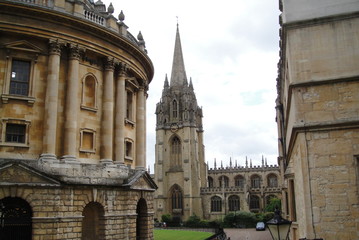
(247, 234)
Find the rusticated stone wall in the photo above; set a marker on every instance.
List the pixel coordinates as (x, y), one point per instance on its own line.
(58, 211)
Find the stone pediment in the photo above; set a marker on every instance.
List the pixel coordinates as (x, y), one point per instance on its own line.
(141, 180)
(20, 174)
(23, 46)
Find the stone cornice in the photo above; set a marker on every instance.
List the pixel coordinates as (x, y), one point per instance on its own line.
(82, 26)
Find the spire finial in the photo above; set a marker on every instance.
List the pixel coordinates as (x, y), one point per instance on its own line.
(178, 75)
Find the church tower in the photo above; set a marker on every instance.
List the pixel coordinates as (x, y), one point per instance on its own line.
(180, 169)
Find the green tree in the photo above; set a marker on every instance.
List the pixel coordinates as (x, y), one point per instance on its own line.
(273, 204)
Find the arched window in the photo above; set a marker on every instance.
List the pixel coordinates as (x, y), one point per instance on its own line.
(254, 202)
(223, 181)
(210, 182)
(174, 109)
(255, 181)
(272, 181)
(216, 204)
(175, 152)
(176, 199)
(89, 92)
(93, 222)
(239, 181)
(16, 215)
(233, 203)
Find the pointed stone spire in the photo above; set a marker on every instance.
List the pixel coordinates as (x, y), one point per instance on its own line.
(246, 162)
(262, 161)
(166, 82)
(266, 163)
(215, 164)
(230, 162)
(221, 164)
(250, 163)
(190, 84)
(236, 163)
(178, 75)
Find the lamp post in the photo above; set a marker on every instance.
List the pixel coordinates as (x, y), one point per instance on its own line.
(279, 227)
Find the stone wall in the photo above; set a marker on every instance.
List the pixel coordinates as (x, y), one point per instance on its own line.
(58, 212)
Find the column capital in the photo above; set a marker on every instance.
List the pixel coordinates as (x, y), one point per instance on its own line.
(75, 51)
(55, 46)
(123, 68)
(109, 63)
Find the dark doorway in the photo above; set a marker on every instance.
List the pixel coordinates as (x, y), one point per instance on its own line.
(93, 222)
(142, 222)
(15, 219)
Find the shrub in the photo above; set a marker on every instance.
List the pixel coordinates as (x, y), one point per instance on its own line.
(166, 218)
(240, 219)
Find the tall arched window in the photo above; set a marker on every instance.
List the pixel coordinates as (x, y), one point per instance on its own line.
(255, 181)
(176, 199)
(93, 222)
(254, 202)
(216, 204)
(210, 182)
(233, 203)
(175, 152)
(272, 180)
(239, 181)
(174, 109)
(223, 181)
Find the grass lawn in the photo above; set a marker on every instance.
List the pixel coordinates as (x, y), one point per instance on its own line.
(160, 234)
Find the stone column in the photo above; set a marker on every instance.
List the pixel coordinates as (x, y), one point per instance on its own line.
(51, 101)
(120, 109)
(107, 113)
(72, 106)
(140, 129)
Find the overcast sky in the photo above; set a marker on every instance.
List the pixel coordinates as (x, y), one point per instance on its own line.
(231, 52)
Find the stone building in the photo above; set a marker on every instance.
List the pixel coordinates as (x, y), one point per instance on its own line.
(73, 85)
(185, 184)
(317, 116)
(239, 188)
(180, 170)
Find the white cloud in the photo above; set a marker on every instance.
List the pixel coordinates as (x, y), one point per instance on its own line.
(231, 51)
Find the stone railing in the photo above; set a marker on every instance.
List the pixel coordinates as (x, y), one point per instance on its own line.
(220, 189)
(93, 17)
(45, 3)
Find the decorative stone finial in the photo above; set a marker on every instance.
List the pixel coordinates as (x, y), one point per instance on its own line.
(139, 36)
(121, 16)
(110, 9)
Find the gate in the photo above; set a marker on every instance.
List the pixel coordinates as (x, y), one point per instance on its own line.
(15, 219)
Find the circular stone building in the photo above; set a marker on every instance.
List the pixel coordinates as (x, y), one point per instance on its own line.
(73, 86)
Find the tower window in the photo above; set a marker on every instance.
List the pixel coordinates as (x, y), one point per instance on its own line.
(174, 109)
(175, 152)
(176, 197)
